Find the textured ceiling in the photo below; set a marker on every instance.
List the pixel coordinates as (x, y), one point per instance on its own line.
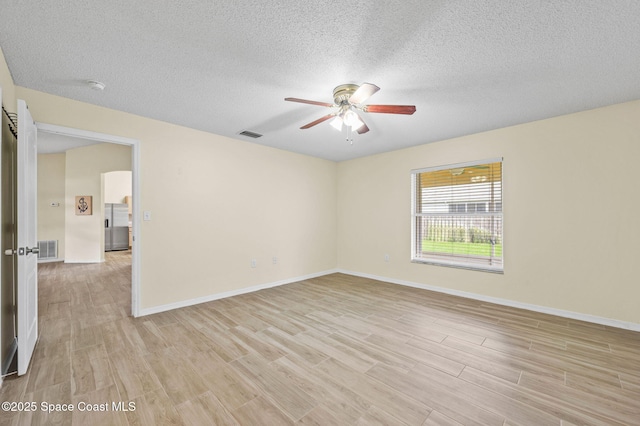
(226, 66)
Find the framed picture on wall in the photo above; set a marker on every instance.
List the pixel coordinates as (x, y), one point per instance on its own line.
(84, 205)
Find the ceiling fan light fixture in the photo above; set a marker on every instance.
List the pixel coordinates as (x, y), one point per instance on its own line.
(352, 120)
(349, 98)
(336, 123)
(357, 124)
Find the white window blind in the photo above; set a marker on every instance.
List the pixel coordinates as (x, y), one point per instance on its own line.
(457, 215)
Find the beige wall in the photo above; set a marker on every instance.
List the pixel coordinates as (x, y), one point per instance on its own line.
(84, 235)
(570, 213)
(216, 203)
(6, 83)
(87, 165)
(51, 189)
(117, 185)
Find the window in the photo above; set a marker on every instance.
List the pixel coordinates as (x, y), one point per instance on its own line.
(457, 215)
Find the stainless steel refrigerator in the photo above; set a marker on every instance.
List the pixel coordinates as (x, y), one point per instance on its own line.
(116, 227)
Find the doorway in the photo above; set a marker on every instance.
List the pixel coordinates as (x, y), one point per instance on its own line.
(94, 137)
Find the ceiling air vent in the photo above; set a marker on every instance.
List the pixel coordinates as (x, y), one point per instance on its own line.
(250, 134)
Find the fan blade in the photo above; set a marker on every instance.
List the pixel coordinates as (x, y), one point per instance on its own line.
(362, 129)
(318, 121)
(390, 109)
(363, 93)
(305, 101)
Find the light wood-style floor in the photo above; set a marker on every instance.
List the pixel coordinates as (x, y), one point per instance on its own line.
(336, 350)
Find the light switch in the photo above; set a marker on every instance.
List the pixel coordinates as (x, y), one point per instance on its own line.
(146, 215)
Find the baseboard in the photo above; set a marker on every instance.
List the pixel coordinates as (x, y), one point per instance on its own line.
(50, 260)
(505, 302)
(217, 296)
(498, 301)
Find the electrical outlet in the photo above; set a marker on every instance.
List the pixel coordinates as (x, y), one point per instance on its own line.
(254, 263)
(386, 257)
(275, 260)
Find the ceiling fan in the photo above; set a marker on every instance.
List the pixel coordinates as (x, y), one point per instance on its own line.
(348, 99)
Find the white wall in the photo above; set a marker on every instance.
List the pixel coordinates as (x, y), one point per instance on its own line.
(571, 204)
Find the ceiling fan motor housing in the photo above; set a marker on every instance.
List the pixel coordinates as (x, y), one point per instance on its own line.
(342, 93)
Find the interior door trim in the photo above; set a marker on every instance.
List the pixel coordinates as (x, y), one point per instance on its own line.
(135, 177)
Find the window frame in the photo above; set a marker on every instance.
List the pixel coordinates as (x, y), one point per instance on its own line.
(450, 260)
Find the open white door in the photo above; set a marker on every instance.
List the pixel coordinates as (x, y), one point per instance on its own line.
(27, 238)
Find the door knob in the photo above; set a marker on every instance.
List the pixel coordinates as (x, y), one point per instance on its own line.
(34, 250)
(9, 252)
(26, 250)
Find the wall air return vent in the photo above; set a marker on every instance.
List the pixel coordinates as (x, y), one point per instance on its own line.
(250, 134)
(48, 250)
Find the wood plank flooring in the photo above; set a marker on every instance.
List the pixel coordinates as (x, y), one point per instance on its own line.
(336, 350)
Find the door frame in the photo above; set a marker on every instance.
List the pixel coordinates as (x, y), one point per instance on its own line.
(135, 194)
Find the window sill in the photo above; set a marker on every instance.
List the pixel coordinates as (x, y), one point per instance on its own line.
(480, 268)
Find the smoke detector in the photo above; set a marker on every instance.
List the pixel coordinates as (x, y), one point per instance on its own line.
(95, 85)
